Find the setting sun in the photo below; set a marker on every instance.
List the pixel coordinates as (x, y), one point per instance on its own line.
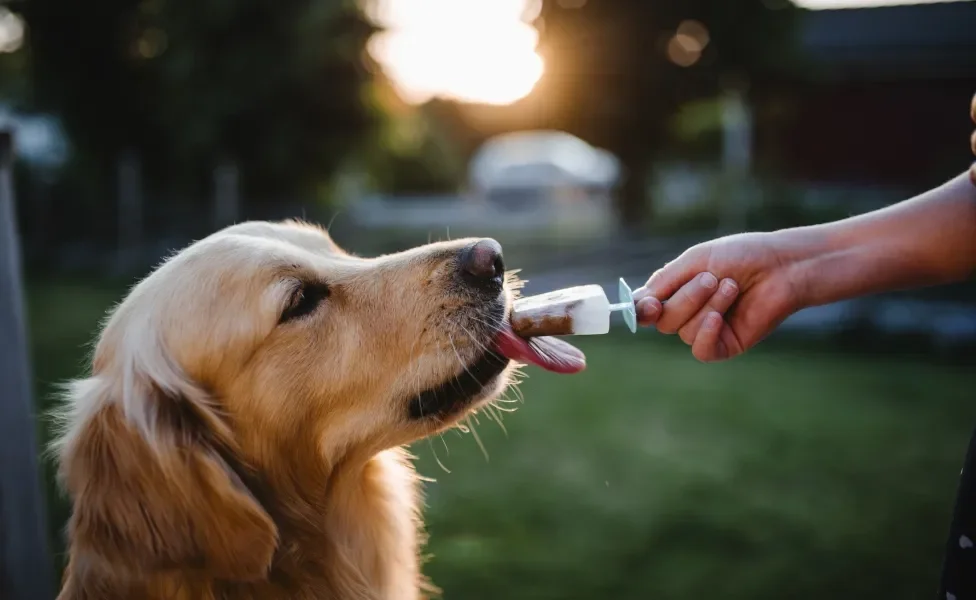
(480, 51)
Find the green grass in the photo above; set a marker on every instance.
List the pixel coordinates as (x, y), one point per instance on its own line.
(787, 473)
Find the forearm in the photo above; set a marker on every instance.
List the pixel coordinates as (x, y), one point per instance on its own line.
(927, 240)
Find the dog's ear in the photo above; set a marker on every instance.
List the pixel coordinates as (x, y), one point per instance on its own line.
(152, 491)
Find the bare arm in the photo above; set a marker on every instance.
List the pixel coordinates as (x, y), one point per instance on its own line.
(757, 280)
(927, 240)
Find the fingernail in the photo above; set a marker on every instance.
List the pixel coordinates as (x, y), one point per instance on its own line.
(708, 281)
(729, 288)
(640, 293)
(712, 321)
(647, 309)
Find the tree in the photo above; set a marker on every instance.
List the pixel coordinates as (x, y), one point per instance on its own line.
(277, 87)
(618, 70)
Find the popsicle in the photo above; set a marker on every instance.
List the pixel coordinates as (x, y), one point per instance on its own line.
(580, 310)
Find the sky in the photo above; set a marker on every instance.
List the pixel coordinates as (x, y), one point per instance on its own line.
(481, 51)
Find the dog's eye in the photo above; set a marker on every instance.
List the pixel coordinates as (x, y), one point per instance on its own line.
(304, 300)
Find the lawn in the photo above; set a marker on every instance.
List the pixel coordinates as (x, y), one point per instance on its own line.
(789, 473)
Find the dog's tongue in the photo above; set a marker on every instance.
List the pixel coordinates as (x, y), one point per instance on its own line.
(552, 354)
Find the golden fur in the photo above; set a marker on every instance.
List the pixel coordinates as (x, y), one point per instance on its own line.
(215, 452)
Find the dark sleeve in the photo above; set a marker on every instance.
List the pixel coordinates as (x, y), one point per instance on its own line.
(959, 568)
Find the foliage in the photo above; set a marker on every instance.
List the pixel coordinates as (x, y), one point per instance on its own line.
(768, 204)
(277, 87)
(411, 152)
(618, 70)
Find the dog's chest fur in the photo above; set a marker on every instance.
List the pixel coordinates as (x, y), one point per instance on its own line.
(364, 547)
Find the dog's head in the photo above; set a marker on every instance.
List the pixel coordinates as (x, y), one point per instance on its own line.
(266, 350)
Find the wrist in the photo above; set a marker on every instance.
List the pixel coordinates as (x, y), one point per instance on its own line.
(802, 254)
(926, 240)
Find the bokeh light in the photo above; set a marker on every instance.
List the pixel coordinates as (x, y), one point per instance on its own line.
(11, 31)
(685, 47)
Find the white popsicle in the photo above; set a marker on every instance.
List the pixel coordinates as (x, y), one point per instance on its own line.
(580, 310)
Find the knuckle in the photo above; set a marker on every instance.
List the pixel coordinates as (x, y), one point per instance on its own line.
(718, 303)
(701, 294)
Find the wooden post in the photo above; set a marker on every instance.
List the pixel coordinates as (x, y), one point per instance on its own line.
(130, 211)
(227, 194)
(736, 159)
(25, 560)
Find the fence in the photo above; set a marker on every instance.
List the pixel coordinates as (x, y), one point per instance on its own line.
(25, 561)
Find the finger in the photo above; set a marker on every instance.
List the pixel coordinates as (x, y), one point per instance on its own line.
(753, 319)
(667, 280)
(972, 140)
(972, 143)
(730, 340)
(686, 303)
(972, 173)
(648, 311)
(644, 291)
(720, 302)
(708, 345)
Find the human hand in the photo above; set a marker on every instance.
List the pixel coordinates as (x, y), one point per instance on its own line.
(749, 279)
(972, 141)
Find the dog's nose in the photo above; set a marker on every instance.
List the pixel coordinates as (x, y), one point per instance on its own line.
(482, 264)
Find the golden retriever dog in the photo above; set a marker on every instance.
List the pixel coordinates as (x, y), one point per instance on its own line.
(240, 433)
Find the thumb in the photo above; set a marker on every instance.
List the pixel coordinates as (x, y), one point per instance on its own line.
(668, 279)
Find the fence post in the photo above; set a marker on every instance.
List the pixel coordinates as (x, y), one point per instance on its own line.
(130, 218)
(25, 560)
(227, 194)
(737, 126)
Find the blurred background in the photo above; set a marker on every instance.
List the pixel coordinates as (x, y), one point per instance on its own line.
(595, 139)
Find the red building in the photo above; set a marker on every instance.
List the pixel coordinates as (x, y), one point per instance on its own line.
(884, 99)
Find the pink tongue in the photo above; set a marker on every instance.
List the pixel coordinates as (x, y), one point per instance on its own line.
(549, 353)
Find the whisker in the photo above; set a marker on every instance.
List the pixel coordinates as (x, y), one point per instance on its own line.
(478, 343)
(477, 439)
(437, 458)
(458, 355)
(493, 411)
(415, 374)
(328, 228)
(506, 410)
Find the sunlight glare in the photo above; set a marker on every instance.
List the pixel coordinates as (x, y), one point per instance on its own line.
(479, 51)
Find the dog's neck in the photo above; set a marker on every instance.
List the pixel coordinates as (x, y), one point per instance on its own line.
(352, 531)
